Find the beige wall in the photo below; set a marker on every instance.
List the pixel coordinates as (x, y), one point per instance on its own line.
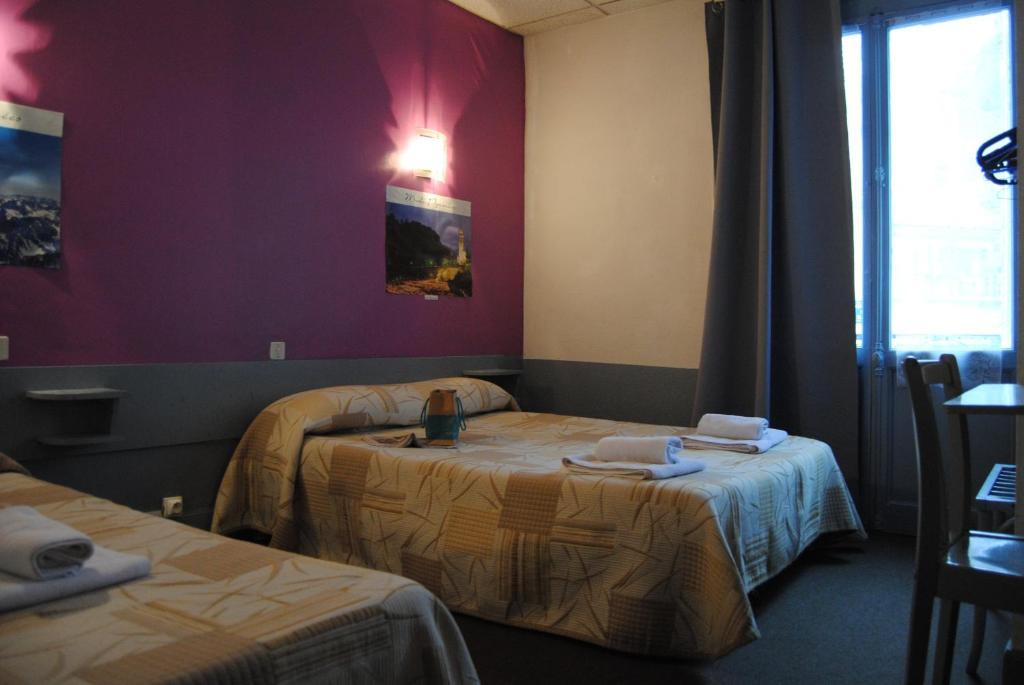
(619, 179)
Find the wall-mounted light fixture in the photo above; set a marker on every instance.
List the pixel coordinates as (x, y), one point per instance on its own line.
(427, 154)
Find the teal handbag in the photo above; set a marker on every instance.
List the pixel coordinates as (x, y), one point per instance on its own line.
(443, 417)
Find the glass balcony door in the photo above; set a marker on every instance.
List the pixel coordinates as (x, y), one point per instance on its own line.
(933, 238)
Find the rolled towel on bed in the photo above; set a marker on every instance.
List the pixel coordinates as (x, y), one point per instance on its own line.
(733, 427)
(38, 548)
(106, 567)
(679, 466)
(772, 437)
(659, 450)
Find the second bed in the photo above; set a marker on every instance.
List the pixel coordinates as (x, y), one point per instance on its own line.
(498, 528)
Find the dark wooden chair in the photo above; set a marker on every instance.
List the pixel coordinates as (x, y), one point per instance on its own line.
(953, 563)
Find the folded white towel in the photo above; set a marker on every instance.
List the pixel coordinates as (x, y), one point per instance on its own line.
(36, 547)
(105, 567)
(772, 437)
(631, 469)
(732, 427)
(657, 450)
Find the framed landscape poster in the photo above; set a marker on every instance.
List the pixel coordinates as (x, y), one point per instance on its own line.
(30, 161)
(427, 244)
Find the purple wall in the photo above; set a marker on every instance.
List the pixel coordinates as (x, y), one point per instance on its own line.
(225, 165)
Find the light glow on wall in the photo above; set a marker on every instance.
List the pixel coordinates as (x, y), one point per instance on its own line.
(18, 37)
(426, 155)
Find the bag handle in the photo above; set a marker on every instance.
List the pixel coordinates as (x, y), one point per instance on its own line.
(461, 412)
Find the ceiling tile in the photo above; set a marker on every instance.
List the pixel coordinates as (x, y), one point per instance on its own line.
(551, 23)
(509, 13)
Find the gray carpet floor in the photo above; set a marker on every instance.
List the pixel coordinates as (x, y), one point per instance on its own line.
(837, 615)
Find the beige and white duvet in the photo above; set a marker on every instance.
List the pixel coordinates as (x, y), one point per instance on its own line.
(219, 610)
(499, 529)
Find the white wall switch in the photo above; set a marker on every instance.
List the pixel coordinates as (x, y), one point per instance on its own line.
(277, 350)
(5, 348)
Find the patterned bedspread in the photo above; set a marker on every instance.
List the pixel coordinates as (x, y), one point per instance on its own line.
(219, 610)
(257, 491)
(497, 528)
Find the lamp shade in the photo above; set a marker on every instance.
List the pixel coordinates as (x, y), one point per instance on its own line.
(427, 154)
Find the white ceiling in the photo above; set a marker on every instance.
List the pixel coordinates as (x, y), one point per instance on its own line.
(526, 17)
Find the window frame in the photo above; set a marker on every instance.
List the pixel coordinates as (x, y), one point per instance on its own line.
(872, 18)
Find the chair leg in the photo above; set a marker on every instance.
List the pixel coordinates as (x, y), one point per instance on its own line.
(949, 613)
(977, 640)
(920, 633)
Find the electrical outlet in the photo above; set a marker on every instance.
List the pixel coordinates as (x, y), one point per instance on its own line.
(277, 350)
(5, 348)
(173, 506)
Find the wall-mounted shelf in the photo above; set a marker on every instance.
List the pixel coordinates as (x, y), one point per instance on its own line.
(79, 440)
(506, 379)
(91, 418)
(75, 394)
(484, 373)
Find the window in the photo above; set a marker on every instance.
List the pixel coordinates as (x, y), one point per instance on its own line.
(853, 77)
(938, 233)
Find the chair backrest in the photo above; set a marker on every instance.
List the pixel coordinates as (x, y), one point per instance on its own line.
(943, 493)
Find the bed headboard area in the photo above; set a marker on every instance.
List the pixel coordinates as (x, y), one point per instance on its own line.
(174, 426)
(396, 404)
(258, 488)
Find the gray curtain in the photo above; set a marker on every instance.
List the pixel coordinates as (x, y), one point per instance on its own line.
(779, 325)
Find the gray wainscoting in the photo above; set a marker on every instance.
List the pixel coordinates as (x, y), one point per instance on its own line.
(179, 422)
(625, 392)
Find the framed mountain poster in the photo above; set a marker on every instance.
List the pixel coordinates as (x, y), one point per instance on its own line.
(427, 244)
(30, 166)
